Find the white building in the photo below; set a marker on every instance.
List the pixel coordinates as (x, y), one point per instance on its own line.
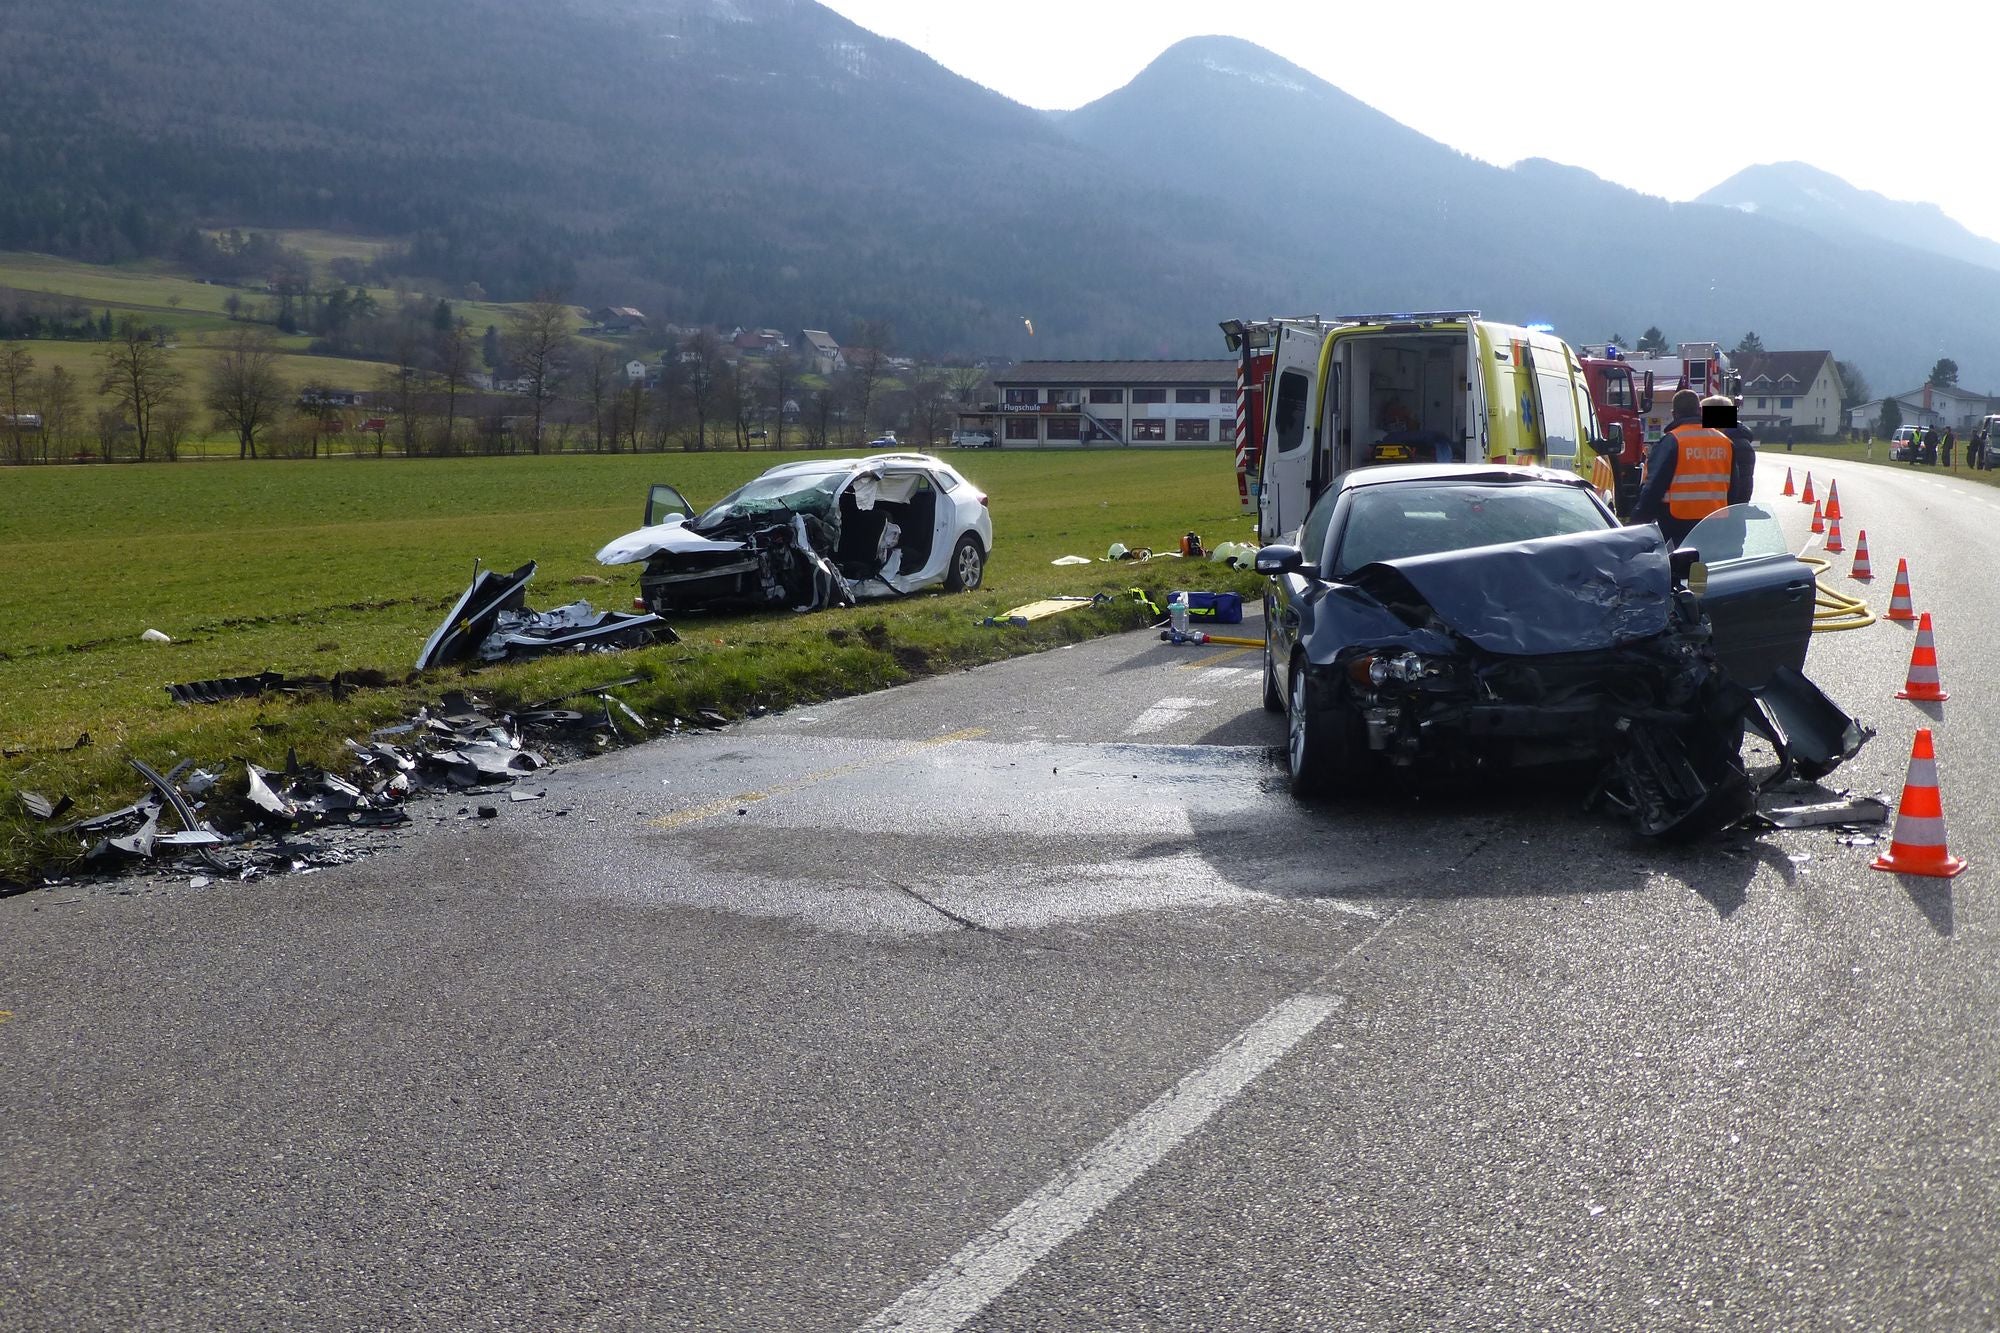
(1796, 393)
(1931, 405)
(1061, 404)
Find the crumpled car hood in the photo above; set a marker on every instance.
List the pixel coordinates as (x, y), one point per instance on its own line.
(673, 537)
(1578, 593)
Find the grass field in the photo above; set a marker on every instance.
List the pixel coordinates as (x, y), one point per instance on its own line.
(318, 567)
(195, 311)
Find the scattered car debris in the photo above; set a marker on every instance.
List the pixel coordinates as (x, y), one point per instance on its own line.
(1845, 812)
(154, 636)
(457, 744)
(41, 807)
(272, 682)
(1071, 560)
(491, 621)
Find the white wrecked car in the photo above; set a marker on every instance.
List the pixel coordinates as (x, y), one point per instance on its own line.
(813, 534)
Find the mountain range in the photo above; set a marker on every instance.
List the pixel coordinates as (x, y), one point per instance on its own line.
(767, 162)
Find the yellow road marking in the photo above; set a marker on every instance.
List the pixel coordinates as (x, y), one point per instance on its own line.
(723, 805)
(6, 1014)
(1203, 663)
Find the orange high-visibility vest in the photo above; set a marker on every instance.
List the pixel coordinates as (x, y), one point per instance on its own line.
(1701, 474)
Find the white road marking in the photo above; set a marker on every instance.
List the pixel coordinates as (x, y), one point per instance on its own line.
(965, 1284)
(1229, 675)
(1164, 714)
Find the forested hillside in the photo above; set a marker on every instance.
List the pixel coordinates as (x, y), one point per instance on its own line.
(766, 162)
(755, 161)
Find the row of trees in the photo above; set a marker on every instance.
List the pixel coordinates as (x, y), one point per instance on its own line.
(561, 394)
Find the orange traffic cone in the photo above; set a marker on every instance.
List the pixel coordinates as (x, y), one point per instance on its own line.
(1862, 572)
(1833, 545)
(1833, 498)
(1819, 520)
(1806, 495)
(1917, 847)
(1899, 596)
(1923, 684)
(1788, 484)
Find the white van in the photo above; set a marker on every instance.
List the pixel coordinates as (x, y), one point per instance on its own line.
(1432, 387)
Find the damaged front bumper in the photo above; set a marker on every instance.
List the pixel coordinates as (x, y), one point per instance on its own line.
(1665, 722)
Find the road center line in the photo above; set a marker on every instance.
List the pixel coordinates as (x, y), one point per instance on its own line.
(969, 1281)
(724, 804)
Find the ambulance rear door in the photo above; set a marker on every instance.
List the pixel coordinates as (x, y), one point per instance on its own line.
(1291, 436)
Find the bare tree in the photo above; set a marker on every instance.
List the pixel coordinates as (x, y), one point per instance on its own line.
(245, 393)
(140, 375)
(61, 406)
(702, 364)
(402, 388)
(17, 365)
(930, 408)
(601, 381)
(741, 391)
(867, 365)
(779, 385)
(454, 352)
(964, 382)
(538, 344)
(174, 423)
(821, 404)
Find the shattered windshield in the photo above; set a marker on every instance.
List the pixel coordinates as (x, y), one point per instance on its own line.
(1394, 522)
(788, 492)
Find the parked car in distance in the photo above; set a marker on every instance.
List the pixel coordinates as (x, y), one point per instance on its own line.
(758, 435)
(1470, 618)
(973, 439)
(812, 534)
(1906, 445)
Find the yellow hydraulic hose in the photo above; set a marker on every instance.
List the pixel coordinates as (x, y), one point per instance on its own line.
(1834, 610)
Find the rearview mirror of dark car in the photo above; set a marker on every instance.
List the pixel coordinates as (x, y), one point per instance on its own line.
(1280, 559)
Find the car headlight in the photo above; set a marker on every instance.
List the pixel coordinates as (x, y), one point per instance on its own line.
(1403, 667)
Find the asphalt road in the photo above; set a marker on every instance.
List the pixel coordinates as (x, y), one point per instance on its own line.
(1025, 998)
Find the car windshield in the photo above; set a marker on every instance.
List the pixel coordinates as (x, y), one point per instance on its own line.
(793, 492)
(1393, 522)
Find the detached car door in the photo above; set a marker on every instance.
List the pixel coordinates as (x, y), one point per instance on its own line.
(1759, 596)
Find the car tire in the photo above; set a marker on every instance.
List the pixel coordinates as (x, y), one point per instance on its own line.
(1324, 751)
(967, 569)
(1274, 698)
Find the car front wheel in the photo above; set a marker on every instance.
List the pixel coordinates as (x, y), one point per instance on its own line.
(1324, 751)
(968, 565)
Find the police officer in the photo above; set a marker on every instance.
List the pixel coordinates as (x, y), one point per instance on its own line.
(1700, 464)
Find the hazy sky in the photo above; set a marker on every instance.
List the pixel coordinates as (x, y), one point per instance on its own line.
(1780, 81)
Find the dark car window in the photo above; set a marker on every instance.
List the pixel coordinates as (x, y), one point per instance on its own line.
(1391, 522)
(1312, 537)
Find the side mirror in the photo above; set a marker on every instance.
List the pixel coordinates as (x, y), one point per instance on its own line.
(1614, 435)
(1275, 560)
(1646, 395)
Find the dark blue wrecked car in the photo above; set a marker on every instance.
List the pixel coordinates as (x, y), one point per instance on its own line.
(1457, 619)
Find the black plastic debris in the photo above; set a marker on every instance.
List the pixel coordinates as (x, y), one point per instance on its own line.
(491, 621)
(41, 807)
(272, 682)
